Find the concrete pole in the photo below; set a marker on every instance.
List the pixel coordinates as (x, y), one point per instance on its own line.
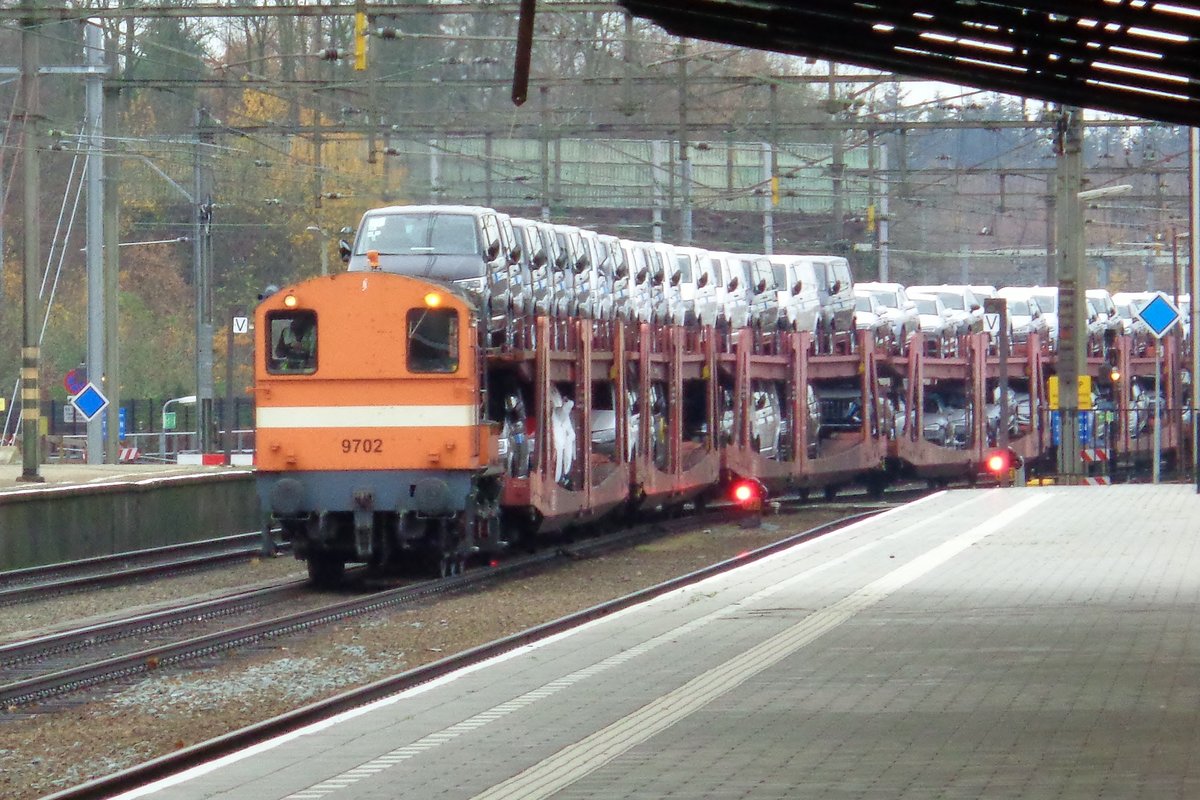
(30, 352)
(1051, 255)
(1072, 324)
(544, 130)
(94, 116)
(768, 158)
(658, 168)
(685, 161)
(884, 211)
(1194, 287)
(435, 175)
(201, 210)
(837, 226)
(112, 274)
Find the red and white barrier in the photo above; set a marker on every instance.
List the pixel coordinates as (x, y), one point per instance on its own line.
(215, 459)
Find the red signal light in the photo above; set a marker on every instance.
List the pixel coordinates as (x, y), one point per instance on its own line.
(746, 492)
(998, 462)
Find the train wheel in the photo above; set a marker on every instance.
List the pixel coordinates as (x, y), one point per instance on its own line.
(325, 570)
(451, 565)
(876, 487)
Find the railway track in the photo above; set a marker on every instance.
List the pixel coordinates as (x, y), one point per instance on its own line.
(215, 748)
(123, 568)
(43, 671)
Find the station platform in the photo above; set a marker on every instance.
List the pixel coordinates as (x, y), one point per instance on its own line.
(1028, 642)
(82, 511)
(59, 475)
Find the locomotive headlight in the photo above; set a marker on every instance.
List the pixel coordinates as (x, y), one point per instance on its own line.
(433, 299)
(290, 301)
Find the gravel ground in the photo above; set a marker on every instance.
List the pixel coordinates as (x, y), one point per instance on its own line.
(109, 731)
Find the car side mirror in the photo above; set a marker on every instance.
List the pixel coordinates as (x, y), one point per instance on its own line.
(539, 259)
(836, 287)
(700, 284)
(733, 284)
(621, 271)
(658, 278)
(797, 287)
(581, 264)
(641, 276)
(514, 255)
(975, 306)
(493, 250)
(344, 250)
(761, 287)
(675, 278)
(760, 403)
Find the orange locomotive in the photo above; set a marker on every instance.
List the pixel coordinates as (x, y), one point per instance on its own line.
(371, 446)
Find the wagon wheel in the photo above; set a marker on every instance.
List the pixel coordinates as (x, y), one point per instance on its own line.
(326, 570)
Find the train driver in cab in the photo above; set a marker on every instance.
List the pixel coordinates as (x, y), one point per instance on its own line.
(296, 345)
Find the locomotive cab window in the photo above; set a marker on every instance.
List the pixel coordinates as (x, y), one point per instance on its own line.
(293, 343)
(433, 340)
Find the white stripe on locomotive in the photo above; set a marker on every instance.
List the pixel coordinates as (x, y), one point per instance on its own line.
(367, 416)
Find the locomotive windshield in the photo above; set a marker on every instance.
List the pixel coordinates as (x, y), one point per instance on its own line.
(432, 340)
(292, 348)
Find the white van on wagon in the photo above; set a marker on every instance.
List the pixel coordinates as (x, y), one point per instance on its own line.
(798, 297)
(733, 308)
(472, 248)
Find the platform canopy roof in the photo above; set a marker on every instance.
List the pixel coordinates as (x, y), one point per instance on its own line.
(1136, 57)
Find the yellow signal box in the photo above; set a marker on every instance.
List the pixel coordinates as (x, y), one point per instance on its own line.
(1084, 392)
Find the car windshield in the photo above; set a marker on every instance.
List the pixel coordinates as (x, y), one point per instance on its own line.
(1045, 301)
(886, 298)
(926, 305)
(1020, 307)
(953, 301)
(762, 272)
(419, 234)
(863, 304)
(780, 275)
(685, 268)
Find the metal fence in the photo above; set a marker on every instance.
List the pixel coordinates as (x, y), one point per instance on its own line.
(1119, 444)
(141, 436)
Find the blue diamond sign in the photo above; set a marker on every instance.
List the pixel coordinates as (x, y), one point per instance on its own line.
(1159, 315)
(89, 402)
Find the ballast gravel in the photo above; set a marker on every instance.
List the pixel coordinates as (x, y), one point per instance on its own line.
(106, 731)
